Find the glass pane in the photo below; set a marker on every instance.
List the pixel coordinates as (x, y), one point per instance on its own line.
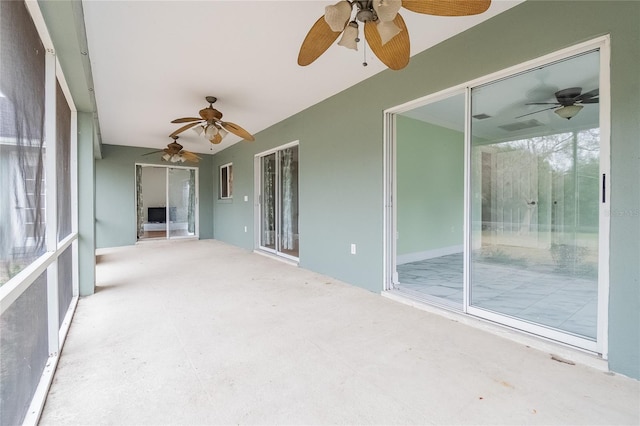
(180, 201)
(430, 200)
(22, 215)
(535, 209)
(24, 350)
(289, 238)
(152, 196)
(191, 204)
(268, 201)
(226, 181)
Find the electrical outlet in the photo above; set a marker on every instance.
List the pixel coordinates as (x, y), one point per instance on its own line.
(353, 249)
(245, 229)
(246, 198)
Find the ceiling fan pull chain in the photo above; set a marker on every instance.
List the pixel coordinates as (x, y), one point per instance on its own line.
(364, 54)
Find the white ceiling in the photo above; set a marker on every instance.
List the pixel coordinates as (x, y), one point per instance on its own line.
(154, 61)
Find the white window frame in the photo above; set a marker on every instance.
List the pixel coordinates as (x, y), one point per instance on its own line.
(48, 262)
(225, 183)
(259, 248)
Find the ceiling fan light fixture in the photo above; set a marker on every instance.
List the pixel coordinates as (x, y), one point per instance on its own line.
(337, 15)
(387, 31)
(568, 111)
(198, 129)
(222, 133)
(166, 157)
(350, 36)
(211, 131)
(387, 9)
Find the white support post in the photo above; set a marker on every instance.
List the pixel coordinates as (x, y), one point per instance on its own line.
(51, 194)
(75, 284)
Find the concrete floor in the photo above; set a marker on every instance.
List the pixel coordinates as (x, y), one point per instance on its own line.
(199, 332)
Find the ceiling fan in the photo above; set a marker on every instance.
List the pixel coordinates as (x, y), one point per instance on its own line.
(210, 124)
(569, 102)
(174, 153)
(384, 28)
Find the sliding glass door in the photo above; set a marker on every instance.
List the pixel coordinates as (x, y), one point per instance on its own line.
(498, 201)
(536, 203)
(166, 202)
(181, 202)
(278, 201)
(430, 200)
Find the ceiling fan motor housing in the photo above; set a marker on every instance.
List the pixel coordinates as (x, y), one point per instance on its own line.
(210, 114)
(366, 15)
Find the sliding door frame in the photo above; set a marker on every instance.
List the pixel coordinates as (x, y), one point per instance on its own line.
(258, 203)
(196, 234)
(390, 279)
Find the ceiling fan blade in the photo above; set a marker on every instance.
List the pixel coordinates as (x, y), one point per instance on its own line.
(590, 101)
(394, 53)
(447, 7)
(317, 41)
(542, 103)
(183, 128)
(190, 156)
(186, 120)
(535, 112)
(238, 131)
(153, 152)
(588, 95)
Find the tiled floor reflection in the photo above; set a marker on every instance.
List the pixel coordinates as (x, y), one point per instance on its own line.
(560, 301)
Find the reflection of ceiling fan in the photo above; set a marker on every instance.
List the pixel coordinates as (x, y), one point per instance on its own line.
(384, 28)
(210, 124)
(174, 153)
(570, 101)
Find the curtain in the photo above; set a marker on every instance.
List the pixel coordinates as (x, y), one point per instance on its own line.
(191, 209)
(268, 202)
(22, 150)
(139, 202)
(288, 237)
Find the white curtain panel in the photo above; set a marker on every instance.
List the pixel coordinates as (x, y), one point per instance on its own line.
(288, 240)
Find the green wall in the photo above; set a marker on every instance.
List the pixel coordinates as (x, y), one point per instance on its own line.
(430, 186)
(115, 194)
(232, 215)
(341, 154)
(86, 204)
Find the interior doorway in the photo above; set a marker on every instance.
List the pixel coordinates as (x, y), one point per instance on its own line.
(166, 202)
(277, 210)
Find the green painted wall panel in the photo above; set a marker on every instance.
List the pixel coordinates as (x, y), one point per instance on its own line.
(86, 205)
(115, 194)
(341, 149)
(430, 186)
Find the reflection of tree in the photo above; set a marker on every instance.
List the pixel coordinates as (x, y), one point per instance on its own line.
(558, 150)
(573, 161)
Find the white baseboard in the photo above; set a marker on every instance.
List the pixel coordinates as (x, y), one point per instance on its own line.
(428, 254)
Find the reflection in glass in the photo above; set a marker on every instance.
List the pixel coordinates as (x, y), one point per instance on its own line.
(289, 201)
(181, 203)
(535, 213)
(279, 202)
(268, 206)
